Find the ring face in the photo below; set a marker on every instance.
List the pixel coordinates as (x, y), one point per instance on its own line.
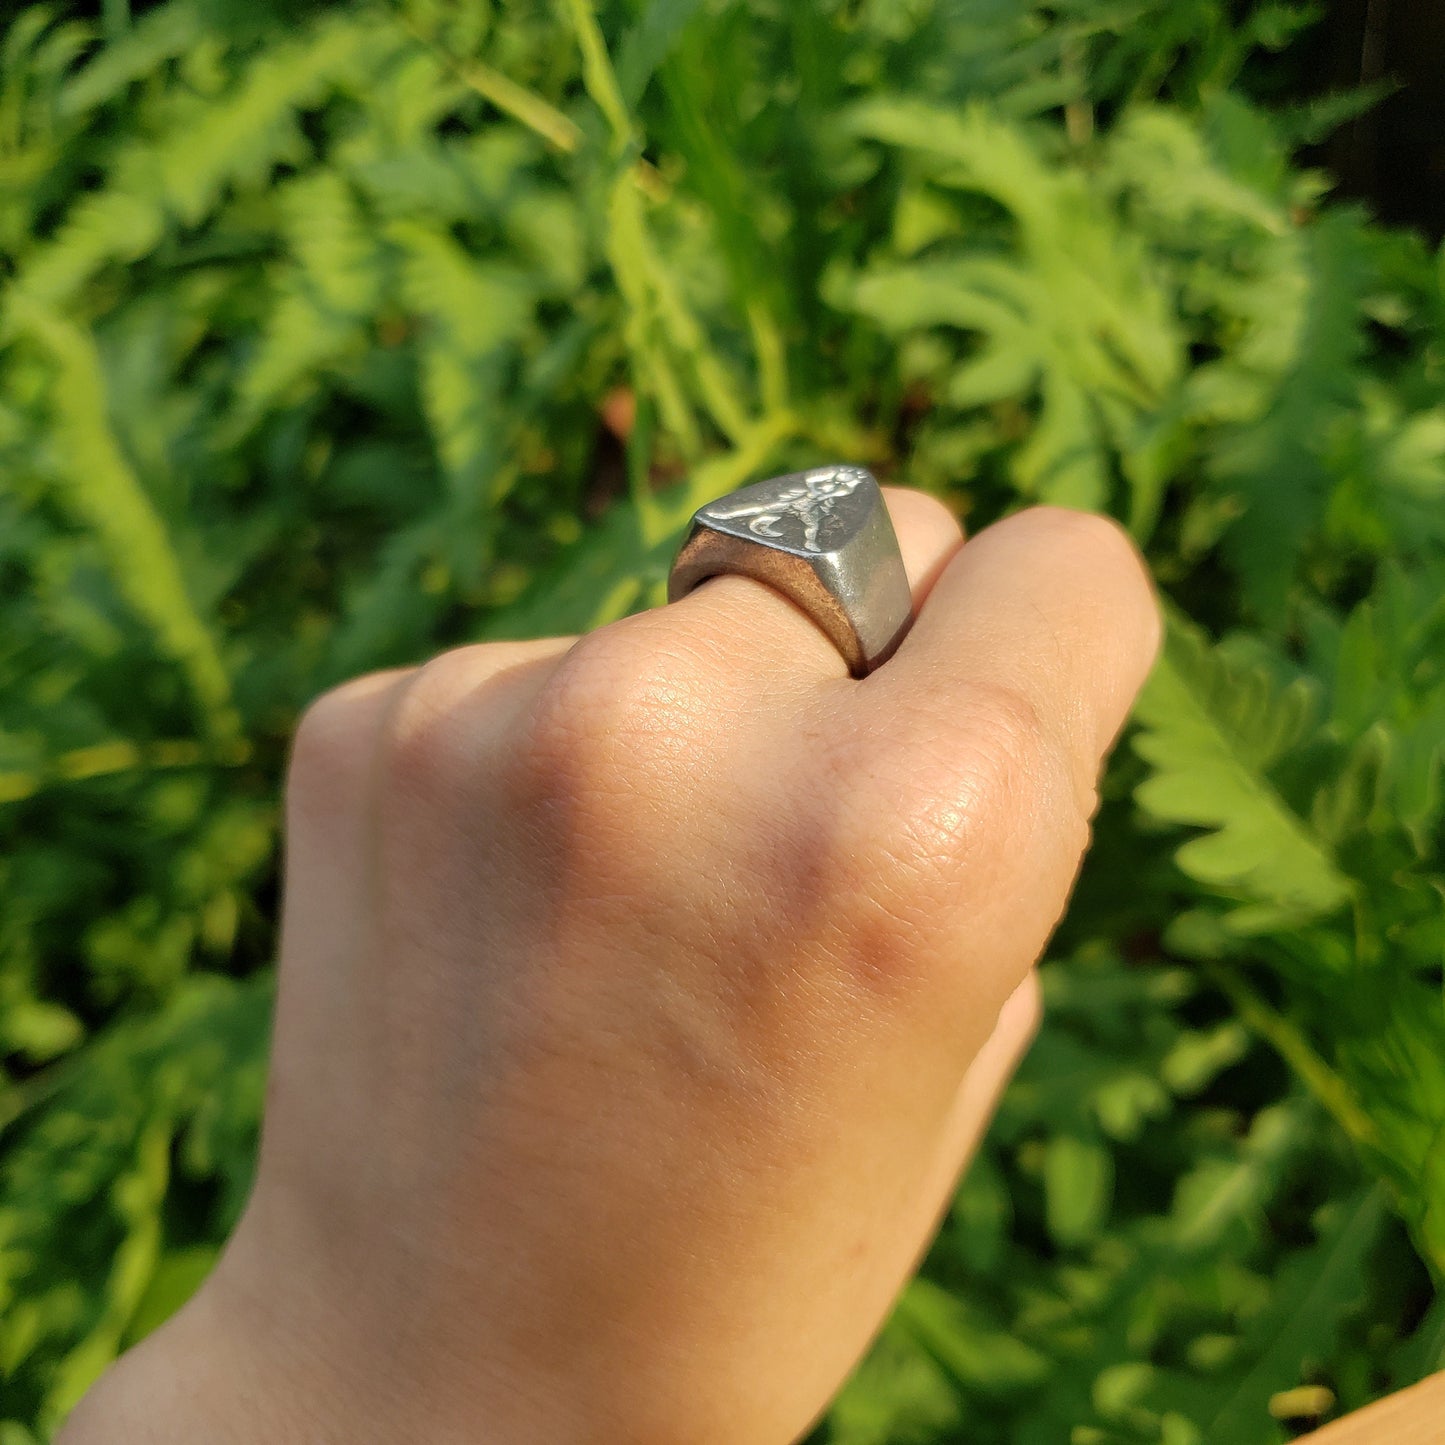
(806, 501)
(823, 538)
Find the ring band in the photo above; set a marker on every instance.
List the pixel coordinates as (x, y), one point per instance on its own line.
(822, 538)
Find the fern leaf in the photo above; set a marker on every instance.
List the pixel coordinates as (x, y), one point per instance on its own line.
(157, 36)
(1159, 160)
(1277, 465)
(203, 151)
(1070, 302)
(1209, 733)
(117, 225)
(299, 339)
(241, 138)
(324, 300)
(1393, 1055)
(1307, 1306)
(482, 305)
(83, 1175)
(479, 314)
(334, 246)
(107, 498)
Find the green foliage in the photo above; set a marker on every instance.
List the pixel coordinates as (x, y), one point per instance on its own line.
(162, 1109)
(332, 337)
(1210, 733)
(1233, 1247)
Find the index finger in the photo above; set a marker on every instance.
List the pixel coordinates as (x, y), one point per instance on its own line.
(975, 751)
(1050, 612)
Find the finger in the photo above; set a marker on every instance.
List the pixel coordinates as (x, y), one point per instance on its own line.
(1050, 613)
(988, 1076)
(976, 749)
(338, 733)
(326, 791)
(333, 756)
(331, 751)
(929, 536)
(761, 629)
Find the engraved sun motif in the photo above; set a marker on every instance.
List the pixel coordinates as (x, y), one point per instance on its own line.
(811, 500)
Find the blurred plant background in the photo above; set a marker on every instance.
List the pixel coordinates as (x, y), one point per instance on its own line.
(334, 335)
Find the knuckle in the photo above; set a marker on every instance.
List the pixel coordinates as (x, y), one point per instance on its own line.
(620, 709)
(1019, 767)
(939, 823)
(952, 794)
(1006, 740)
(333, 735)
(420, 744)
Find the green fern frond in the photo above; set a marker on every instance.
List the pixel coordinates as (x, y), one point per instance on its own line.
(1278, 466)
(1159, 162)
(157, 36)
(208, 146)
(1394, 1056)
(1067, 303)
(482, 305)
(111, 226)
(106, 497)
(92, 1164)
(1210, 731)
(324, 298)
(335, 247)
(299, 339)
(240, 139)
(459, 391)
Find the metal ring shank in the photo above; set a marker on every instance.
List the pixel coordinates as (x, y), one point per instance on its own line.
(857, 592)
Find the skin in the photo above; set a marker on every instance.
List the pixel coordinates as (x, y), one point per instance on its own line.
(642, 998)
(1413, 1417)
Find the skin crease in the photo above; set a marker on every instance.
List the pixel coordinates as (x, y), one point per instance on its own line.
(641, 999)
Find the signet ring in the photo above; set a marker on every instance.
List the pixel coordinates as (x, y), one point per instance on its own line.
(823, 538)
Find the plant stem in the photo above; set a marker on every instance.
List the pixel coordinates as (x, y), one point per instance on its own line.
(522, 104)
(598, 75)
(1291, 1045)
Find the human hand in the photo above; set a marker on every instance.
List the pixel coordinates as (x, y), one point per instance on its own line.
(641, 999)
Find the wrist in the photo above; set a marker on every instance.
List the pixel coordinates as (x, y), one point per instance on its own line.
(270, 1354)
(214, 1372)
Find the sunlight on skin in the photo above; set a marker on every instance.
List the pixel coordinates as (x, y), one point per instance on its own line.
(1413, 1417)
(709, 963)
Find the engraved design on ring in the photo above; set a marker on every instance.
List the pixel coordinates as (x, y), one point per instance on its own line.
(824, 539)
(811, 501)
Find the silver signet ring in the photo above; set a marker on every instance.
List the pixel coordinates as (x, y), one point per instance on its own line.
(825, 541)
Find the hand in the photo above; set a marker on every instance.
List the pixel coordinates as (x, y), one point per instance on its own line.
(641, 999)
